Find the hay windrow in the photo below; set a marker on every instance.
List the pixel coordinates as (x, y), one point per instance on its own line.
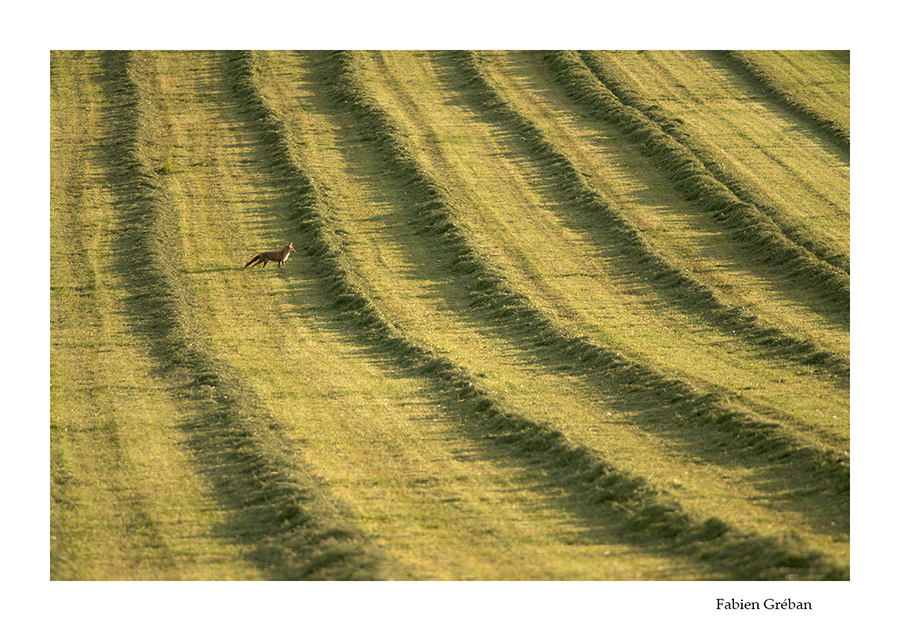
(690, 177)
(298, 533)
(794, 230)
(740, 61)
(575, 468)
(681, 287)
(474, 367)
(505, 303)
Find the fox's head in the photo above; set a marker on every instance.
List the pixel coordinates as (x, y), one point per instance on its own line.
(291, 246)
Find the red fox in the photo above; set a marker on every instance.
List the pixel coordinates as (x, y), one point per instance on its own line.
(264, 257)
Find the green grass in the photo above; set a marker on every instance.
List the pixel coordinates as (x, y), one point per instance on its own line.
(690, 177)
(459, 368)
(504, 305)
(815, 83)
(734, 167)
(126, 501)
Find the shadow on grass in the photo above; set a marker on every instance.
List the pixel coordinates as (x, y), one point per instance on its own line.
(275, 507)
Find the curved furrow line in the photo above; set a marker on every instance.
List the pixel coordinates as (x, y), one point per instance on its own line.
(524, 128)
(127, 501)
(679, 286)
(294, 529)
(543, 243)
(577, 470)
(746, 191)
(744, 221)
(84, 275)
(494, 294)
(407, 275)
(540, 134)
(839, 133)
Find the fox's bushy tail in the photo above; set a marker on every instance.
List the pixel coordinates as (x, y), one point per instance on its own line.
(255, 259)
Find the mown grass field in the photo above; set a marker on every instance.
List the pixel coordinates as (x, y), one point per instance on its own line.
(551, 316)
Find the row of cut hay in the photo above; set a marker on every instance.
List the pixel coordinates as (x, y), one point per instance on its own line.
(800, 234)
(681, 288)
(648, 514)
(762, 75)
(746, 224)
(293, 530)
(746, 432)
(768, 439)
(350, 297)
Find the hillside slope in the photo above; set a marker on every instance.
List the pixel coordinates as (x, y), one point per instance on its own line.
(551, 316)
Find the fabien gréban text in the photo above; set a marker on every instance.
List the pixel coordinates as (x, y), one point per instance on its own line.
(768, 603)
